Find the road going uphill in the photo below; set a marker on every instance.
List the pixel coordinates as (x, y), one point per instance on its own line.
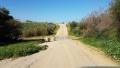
(63, 53)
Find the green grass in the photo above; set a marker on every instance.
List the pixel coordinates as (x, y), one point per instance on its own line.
(56, 29)
(111, 48)
(20, 49)
(70, 31)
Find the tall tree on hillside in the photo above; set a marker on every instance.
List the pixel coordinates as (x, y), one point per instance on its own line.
(115, 8)
(9, 28)
(73, 24)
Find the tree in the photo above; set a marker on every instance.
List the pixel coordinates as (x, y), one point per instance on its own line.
(115, 8)
(4, 11)
(73, 25)
(9, 28)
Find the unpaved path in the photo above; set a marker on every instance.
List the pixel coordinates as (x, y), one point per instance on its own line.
(62, 32)
(64, 53)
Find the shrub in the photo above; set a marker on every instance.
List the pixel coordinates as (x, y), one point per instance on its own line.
(98, 24)
(9, 28)
(73, 24)
(21, 49)
(111, 48)
(37, 29)
(115, 10)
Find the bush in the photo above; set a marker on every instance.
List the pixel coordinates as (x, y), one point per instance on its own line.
(73, 24)
(101, 29)
(37, 29)
(55, 29)
(98, 24)
(9, 28)
(44, 47)
(21, 49)
(12, 29)
(111, 48)
(116, 10)
(74, 29)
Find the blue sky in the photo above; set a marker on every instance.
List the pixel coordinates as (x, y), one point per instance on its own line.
(56, 11)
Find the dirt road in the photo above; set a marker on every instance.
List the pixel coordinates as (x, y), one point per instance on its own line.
(64, 53)
(62, 32)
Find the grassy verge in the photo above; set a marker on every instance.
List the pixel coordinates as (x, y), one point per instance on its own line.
(70, 32)
(56, 29)
(21, 48)
(111, 48)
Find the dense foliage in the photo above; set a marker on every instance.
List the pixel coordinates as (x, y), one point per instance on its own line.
(12, 29)
(111, 48)
(21, 48)
(115, 8)
(99, 24)
(9, 27)
(101, 29)
(37, 29)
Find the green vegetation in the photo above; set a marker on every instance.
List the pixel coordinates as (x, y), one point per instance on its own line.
(9, 27)
(21, 48)
(101, 29)
(70, 30)
(116, 10)
(111, 48)
(99, 24)
(56, 29)
(73, 29)
(11, 30)
(38, 29)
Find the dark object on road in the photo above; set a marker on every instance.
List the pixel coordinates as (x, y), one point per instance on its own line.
(48, 39)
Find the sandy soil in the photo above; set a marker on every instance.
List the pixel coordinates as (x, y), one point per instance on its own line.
(62, 32)
(65, 53)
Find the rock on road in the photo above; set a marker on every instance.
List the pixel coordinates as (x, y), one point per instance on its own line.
(65, 53)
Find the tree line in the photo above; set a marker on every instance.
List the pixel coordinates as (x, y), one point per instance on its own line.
(11, 29)
(101, 29)
(37, 29)
(100, 24)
